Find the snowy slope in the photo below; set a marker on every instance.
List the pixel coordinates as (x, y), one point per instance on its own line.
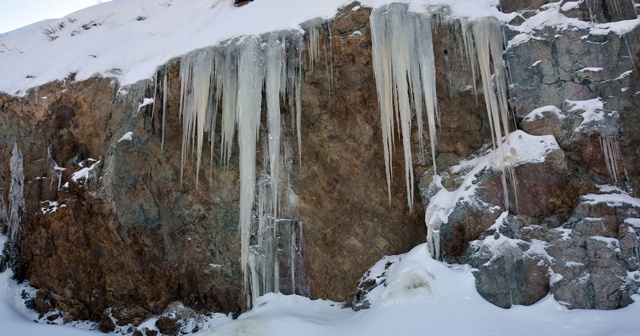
(128, 39)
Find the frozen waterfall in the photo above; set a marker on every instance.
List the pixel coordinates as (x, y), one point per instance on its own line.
(248, 76)
(237, 79)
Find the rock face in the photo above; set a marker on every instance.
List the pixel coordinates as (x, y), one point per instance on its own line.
(566, 233)
(132, 235)
(127, 232)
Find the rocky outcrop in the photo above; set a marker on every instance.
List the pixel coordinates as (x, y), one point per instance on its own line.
(115, 231)
(125, 233)
(566, 233)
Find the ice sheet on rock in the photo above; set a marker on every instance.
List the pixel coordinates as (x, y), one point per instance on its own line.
(16, 193)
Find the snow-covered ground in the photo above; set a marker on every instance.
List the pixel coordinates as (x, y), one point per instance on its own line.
(422, 297)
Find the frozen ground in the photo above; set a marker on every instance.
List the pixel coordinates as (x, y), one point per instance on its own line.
(422, 297)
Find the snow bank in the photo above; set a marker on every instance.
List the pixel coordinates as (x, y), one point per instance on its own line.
(444, 303)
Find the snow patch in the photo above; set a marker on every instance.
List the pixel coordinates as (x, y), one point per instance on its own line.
(126, 137)
(540, 111)
(611, 200)
(83, 174)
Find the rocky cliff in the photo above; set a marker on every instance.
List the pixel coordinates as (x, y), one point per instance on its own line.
(112, 232)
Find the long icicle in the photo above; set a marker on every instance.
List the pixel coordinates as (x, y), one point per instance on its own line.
(250, 82)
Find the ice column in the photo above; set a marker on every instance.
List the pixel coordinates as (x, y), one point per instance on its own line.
(233, 79)
(16, 193)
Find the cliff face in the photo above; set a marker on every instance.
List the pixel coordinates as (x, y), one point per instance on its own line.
(133, 235)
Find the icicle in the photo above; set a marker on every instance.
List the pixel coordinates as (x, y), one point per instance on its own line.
(196, 104)
(165, 87)
(404, 66)
(611, 150)
(314, 45)
(328, 51)
(16, 193)
(275, 62)
(250, 81)
(54, 169)
(227, 64)
(486, 53)
(232, 78)
(4, 219)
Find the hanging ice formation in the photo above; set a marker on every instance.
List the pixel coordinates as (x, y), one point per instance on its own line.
(233, 79)
(484, 47)
(611, 150)
(404, 66)
(16, 193)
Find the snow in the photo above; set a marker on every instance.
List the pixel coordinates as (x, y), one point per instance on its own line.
(49, 207)
(612, 243)
(591, 69)
(129, 39)
(421, 295)
(593, 111)
(145, 102)
(524, 148)
(83, 174)
(424, 296)
(539, 113)
(126, 137)
(611, 199)
(633, 221)
(550, 15)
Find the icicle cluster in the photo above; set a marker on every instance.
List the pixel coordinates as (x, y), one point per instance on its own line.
(233, 79)
(16, 193)
(484, 46)
(403, 61)
(611, 150)
(404, 66)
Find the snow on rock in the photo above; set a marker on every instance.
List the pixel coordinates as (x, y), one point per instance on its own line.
(145, 102)
(524, 148)
(414, 294)
(49, 207)
(551, 15)
(84, 173)
(540, 111)
(612, 199)
(595, 118)
(126, 137)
